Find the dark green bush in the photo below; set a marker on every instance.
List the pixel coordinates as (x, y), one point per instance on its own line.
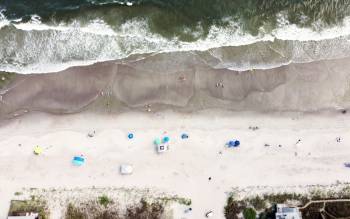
(249, 213)
(104, 200)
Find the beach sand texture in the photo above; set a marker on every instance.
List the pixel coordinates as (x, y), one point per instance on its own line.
(186, 84)
(184, 170)
(76, 77)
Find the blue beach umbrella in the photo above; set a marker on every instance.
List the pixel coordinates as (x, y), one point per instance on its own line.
(166, 139)
(78, 160)
(130, 135)
(184, 136)
(233, 143)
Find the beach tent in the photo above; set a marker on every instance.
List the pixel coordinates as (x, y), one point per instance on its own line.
(162, 148)
(233, 143)
(184, 136)
(126, 169)
(161, 145)
(78, 160)
(38, 150)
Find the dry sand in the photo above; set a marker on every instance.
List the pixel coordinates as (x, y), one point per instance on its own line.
(185, 168)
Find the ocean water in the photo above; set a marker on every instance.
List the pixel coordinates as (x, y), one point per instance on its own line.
(47, 36)
(256, 55)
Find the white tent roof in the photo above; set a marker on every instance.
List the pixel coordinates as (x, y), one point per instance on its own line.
(126, 169)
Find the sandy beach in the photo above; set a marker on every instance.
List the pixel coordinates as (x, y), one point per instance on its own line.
(78, 77)
(187, 85)
(269, 156)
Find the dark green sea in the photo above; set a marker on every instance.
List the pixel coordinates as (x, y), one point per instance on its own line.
(48, 35)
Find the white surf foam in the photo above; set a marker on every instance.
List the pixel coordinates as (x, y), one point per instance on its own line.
(249, 66)
(79, 44)
(287, 31)
(3, 21)
(97, 27)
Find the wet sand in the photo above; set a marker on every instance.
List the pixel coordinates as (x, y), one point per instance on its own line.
(185, 83)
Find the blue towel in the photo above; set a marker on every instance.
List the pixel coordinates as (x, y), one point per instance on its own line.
(78, 159)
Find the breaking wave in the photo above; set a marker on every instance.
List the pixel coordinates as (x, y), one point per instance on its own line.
(41, 43)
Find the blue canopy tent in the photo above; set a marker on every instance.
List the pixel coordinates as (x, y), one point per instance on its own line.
(78, 160)
(233, 143)
(184, 136)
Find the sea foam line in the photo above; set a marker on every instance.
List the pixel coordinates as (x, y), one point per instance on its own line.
(136, 37)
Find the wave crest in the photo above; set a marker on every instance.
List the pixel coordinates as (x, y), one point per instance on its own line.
(37, 47)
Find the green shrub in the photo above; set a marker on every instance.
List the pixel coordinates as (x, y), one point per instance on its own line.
(104, 200)
(185, 201)
(74, 213)
(249, 213)
(257, 202)
(233, 208)
(108, 214)
(18, 193)
(145, 210)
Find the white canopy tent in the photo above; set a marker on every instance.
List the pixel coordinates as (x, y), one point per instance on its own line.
(126, 169)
